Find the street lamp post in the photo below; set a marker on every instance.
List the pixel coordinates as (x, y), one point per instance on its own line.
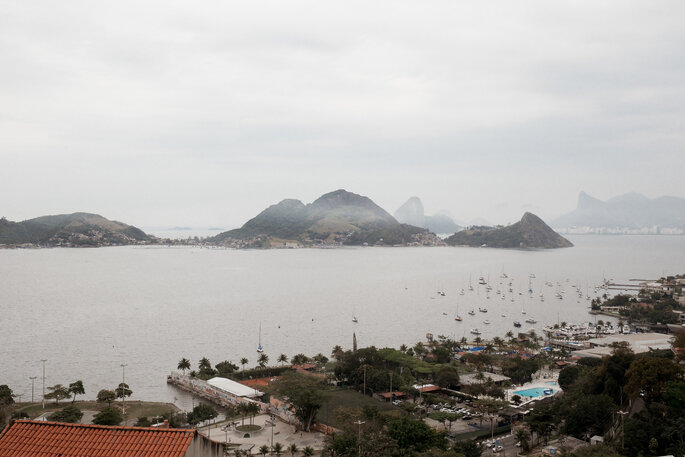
(359, 435)
(123, 389)
(33, 380)
(44, 360)
(623, 432)
(272, 424)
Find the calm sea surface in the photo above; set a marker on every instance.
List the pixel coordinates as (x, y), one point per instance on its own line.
(87, 311)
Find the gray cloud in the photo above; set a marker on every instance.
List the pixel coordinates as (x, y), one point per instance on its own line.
(169, 113)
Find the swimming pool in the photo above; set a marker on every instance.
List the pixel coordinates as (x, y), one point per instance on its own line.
(534, 392)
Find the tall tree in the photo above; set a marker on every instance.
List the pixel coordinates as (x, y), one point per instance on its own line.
(282, 359)
(263, 360)
(58, 392)
(303, 393)
(183, 365)
(244, 362)
(649, 376)
(123, 390)
(106, 396)
(76, 388)
(6, 395)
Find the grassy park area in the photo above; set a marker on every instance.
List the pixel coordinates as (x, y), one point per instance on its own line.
(349, 399)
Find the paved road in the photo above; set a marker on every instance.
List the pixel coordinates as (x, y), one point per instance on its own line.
(508, 443)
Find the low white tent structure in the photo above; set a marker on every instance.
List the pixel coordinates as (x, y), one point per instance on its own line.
(234, 388)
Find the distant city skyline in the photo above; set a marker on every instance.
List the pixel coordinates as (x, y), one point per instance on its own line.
(166, 114)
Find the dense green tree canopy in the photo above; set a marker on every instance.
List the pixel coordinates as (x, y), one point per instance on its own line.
(304, 393)
(108, 416)
(71, 414)
(106, 396)
(415, 434)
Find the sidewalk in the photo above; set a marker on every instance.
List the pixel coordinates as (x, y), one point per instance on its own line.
(282, 433)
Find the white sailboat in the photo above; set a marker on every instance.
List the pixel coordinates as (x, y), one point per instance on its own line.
(260, 349)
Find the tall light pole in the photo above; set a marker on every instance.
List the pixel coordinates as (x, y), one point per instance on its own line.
(623, 434)
(364, 379)
(33, 380)
(359, 435)
(123, 389)
(44, 360)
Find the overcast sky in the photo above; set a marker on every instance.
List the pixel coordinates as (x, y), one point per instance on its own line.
(204, 113)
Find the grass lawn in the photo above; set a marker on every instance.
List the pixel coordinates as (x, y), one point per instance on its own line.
(348, 399)
(134, 408)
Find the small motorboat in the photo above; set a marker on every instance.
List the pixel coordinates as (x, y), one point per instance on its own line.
(475, 331)
(517, 324)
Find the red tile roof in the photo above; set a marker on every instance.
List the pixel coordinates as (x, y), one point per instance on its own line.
(26, 438)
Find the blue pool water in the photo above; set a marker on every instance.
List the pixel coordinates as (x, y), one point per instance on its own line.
(534, 392)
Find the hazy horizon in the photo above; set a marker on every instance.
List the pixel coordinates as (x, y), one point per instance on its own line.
(166, 114)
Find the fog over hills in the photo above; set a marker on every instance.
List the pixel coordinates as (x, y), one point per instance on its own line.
(338, 216)
(627, 211)
(412, 212)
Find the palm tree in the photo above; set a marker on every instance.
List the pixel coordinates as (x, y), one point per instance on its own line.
(489, 347)
(293, 449)
(498, 341)
(263, 360)
(244, 362)
(478, 340)
(509, 335)
(283, 359)
(242, 410)
(278, 448)
(183, 365)
(204, 364)
(299, 359)
(264, 449)
(252, 409)
(337, 351)
(308, 451)
(403, 348)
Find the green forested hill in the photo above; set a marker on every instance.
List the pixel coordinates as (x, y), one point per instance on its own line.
(529, 233)
(77, 229)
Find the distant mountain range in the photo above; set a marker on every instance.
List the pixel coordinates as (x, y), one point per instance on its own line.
(77, 229)
(529, 233)
(340, 217)
(412, 213)
(628, 211)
